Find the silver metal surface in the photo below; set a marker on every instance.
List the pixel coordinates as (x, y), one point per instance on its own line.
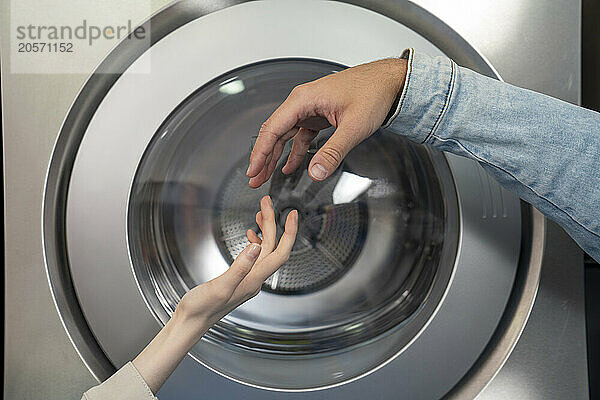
(99, 257)
(532, 44)
(516, 314)
(550, 359)
(185, 201)
(536, 45)
(539, 50)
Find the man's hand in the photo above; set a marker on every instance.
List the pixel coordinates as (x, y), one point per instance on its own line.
(354, 101)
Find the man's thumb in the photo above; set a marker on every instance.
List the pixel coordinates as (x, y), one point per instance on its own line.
(330, 156)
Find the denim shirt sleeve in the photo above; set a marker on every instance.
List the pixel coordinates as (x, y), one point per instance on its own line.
(544, 150)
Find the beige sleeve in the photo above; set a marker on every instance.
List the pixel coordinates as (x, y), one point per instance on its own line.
(125, 384)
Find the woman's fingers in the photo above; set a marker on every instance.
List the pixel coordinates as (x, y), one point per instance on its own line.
(259, 220)
(253, 237)
(240, 268)
(268, 225)
(284, 248)
(269, 261)
(277, 258)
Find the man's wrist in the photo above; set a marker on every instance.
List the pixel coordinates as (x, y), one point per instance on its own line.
(400, 67)
(398, 75)
(400, 80)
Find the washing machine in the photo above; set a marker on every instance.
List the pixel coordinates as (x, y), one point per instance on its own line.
(414, 275)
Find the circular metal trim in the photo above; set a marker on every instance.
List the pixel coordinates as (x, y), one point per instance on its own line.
(149, 277)
(111, 149)
(117, 136)
(517, 311)
(93, 92)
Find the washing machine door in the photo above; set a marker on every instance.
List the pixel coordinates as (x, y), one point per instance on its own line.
(398, 277)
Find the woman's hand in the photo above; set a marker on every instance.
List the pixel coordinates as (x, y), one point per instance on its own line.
(207, 303)
(354, 101)
(211, 301)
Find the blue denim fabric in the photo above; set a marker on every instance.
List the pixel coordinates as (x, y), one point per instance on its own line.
(543, 149)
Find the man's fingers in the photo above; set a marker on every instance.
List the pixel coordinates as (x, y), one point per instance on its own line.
(329, 157)
(261, 176)
(299, 147)
(279, 123)
(240, 267)
(278, 150)
(263, 147)
(272, 159)
(270, 169)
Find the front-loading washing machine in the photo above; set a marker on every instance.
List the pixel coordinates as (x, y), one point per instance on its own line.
(414, 275)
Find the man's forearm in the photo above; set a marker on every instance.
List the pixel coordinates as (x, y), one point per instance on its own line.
(545, 150)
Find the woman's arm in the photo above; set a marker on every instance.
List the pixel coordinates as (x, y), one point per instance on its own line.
(545, 150)
(200, 308)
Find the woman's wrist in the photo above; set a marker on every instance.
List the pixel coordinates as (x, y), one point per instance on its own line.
(205, 304)
(162, 355)
(191, 328)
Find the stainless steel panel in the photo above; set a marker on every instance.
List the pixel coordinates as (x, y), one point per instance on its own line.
(550, 359)
(40, 361)
(532, 44)
(536, 45)
(116, 138)
(85, 179)
(541, 51)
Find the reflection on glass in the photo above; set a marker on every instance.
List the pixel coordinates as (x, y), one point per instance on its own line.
(349, 187)
(368, 248)
(232, 86)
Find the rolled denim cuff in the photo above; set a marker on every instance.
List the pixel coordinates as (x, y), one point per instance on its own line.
(426, 96)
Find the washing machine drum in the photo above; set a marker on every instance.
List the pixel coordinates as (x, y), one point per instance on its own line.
(397, 274)
(370, 241)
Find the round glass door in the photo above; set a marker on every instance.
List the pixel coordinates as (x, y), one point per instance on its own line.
(407, 258)
(367, 269)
